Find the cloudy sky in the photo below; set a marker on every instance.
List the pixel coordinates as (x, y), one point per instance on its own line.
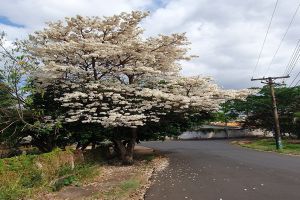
(226, 34)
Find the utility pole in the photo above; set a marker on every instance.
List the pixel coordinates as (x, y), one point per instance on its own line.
(225, 119)
(271, 83)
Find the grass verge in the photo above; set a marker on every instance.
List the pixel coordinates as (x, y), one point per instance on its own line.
(135, 179)
(44, 176)
(22, 177)
(125, 182)
(124, 189)
(291, 147)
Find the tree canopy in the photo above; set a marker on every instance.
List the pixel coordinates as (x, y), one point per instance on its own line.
(259, 112)
(104, 75)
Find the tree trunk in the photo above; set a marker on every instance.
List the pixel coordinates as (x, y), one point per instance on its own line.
(93, 145)
(121, 150)
(43, 147)
(44, 144)
(116, 148)
(78, 145)
(85, 145)
(125, 149)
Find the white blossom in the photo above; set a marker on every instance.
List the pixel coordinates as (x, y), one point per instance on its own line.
(112, 76)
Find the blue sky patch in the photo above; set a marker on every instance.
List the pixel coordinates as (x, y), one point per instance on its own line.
(6, 21)
(156, 4)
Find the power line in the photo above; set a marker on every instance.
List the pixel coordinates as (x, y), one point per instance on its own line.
(295, 63)
(294, 79)
(293, 60)
(287, 30)
(264, 41)
(297, 83)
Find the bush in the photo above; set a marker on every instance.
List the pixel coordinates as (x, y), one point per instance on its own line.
(31, 179)
(60, 183)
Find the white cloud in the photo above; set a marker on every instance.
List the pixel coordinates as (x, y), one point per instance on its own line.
(33, 13)
(226, 35)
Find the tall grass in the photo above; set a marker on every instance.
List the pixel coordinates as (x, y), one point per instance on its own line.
(22, 176)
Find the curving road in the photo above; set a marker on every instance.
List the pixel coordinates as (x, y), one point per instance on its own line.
(217, 170)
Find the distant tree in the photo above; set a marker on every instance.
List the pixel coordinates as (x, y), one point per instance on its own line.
(25, 111)
(297, 124)
(12, 72)
(6, 99)
(259, 112)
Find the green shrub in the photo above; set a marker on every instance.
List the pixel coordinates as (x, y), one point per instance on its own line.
(64, 170)
(10, 193)
(63, 182)
(85, 171)
(31, 179)
(149, 158)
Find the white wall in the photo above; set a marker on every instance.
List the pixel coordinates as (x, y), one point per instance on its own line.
(219, 133)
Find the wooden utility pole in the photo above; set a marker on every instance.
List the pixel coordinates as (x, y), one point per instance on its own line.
(271, 83)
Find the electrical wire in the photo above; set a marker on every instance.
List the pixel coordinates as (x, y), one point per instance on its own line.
(283, 37)
(294, 80)
(293, 60)
(264, 41)
(297, 83)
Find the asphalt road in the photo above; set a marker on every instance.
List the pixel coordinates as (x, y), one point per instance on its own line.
(217, 170)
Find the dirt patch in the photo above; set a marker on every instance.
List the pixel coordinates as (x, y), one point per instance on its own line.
(117, 181)
(241, 142)
(244, 142)
(294, 141)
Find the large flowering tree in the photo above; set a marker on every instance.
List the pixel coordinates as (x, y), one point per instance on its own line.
(109, 74)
